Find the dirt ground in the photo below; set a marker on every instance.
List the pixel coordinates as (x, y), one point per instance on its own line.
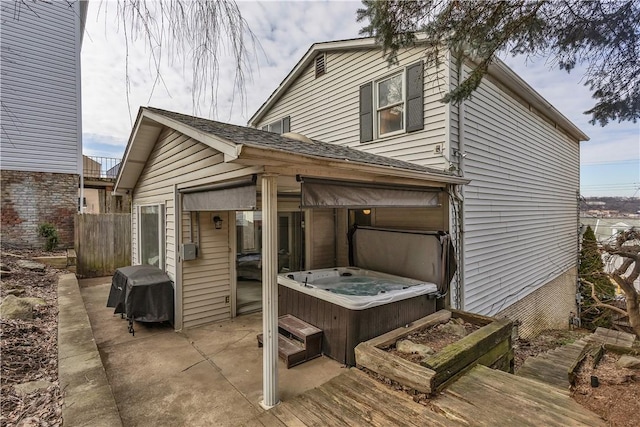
(29, 353)
(435, 337)
(617, 397)
(30, 347)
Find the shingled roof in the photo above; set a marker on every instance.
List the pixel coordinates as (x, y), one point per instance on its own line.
(263, 139)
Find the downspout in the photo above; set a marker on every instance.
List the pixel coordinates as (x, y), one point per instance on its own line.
(335, 237)
(459, 192)
(79, 33)
(177, 296)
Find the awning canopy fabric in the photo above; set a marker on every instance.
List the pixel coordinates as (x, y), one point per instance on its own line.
(231, 196)
(334, 194)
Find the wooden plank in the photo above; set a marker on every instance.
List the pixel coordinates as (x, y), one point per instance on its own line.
(391, 337)
(377, 409)
(103, 243)
(573, 367)
(296, 326)
(396, 403)
(292, 352)
(347, 412)
(535, 373)
(284, 414)
(317, 404)
(519, 402)
(267, 419)
(608, 336)
(405, 372)
(476, 319)
(489, 358)
(455, 357)
(501, 351)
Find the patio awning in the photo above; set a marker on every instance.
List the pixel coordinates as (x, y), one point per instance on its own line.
(238, 195)
(334, 194)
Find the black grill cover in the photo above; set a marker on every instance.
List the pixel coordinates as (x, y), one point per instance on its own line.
(143, 293)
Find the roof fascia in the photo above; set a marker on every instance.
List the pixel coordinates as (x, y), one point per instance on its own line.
(226, 147)
(513, 81)
(127, 151)
(265, 154)
(229, 149)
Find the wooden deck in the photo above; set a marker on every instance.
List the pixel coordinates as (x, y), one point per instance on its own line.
(482, 397)
(538, 395)
(556, 367)
(606, 336)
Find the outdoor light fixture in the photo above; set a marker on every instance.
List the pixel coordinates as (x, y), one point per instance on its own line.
(217, 221)
(366, 211)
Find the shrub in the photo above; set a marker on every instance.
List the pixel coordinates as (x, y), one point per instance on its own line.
(592, 269)
(49, 232)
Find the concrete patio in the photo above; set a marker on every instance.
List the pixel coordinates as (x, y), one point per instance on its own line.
(210, 375)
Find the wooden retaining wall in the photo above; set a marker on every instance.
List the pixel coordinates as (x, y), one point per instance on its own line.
(102, 243)
(489, 346)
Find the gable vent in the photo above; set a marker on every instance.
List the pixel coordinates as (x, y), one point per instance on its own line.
(320, 65)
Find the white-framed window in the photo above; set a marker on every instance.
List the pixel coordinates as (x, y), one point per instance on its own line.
(390, 104)
(151, 247)
(279, 126)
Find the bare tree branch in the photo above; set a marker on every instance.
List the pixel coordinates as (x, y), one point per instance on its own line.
(599, 302)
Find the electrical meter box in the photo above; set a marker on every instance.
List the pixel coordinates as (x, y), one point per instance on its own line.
(189, 251)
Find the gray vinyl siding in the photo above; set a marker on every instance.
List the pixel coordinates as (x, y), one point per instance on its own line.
(520, 209)
(327, 108)
(40, 69)
(179, 160)
(206, 281)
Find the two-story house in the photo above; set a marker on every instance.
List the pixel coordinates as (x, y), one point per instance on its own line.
(223, 209)
(515, 223)
(41, 141)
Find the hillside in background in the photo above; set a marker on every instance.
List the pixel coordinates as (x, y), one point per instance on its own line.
(611, 206)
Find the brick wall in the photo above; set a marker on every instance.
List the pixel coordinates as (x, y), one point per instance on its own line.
(547, 307)
(33, 198)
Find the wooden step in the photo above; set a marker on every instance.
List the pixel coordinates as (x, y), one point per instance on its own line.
(292, 352)
(292, 327)
(298, 341)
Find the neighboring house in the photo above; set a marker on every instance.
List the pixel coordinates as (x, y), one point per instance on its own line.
(99, 178)
(516, 223)
(41, 142)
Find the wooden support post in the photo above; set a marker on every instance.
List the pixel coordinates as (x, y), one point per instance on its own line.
(270, 290)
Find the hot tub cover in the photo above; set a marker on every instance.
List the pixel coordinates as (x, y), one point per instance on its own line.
(143, 293)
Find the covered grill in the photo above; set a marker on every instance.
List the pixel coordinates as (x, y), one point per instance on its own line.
(143, 293)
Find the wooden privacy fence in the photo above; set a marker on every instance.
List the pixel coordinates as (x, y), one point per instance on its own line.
(102, 243)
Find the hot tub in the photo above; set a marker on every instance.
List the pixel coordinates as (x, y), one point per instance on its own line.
(355, 288)
(352, 305)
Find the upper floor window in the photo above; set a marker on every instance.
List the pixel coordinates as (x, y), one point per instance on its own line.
(390, 104)
(279, 126)
(393, 104)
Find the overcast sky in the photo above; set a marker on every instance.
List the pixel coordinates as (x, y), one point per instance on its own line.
(610, 161)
